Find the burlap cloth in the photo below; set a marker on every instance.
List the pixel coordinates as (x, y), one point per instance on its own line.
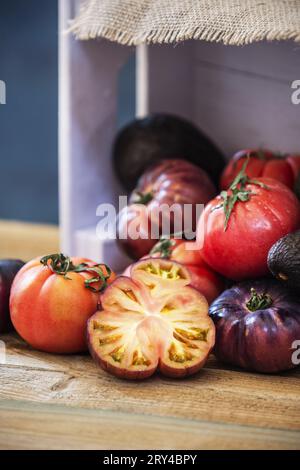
(238, 22)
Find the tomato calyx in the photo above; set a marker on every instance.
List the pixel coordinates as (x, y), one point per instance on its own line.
(60, 264)
(258, 301)
(142, 198)
(237, 192)
(164, 246)
(100, 276)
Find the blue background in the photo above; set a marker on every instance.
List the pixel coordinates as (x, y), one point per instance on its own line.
(28, 120)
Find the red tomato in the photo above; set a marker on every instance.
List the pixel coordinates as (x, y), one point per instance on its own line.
(152, 321)
(262, 213)
(206, 281)
(187, 253)
(50, 302)
(263, 163)
(203, 278)
(139, 215)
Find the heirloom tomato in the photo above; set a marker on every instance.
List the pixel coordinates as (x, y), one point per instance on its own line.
(265, 164)
(52, 298)
(238, 227)
(257, 323)
(152, 321)
(162, 194)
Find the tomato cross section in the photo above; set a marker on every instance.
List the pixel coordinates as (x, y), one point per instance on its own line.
(152, 320)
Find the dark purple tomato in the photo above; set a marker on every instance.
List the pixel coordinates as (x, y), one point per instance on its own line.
(8, 270)
(256, 325)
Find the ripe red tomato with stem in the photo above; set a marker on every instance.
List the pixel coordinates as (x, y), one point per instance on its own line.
(238, 227)
(265, 164)
(52, 298)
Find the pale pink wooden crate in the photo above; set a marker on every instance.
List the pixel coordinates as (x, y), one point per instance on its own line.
(240, 96)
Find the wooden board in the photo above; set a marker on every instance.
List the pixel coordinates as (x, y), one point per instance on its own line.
(27, 240)
(50, 401)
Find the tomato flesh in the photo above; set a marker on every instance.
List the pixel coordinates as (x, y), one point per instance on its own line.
(150, 321)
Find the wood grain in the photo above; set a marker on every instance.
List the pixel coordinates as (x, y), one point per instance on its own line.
(24, 425)
(218, 408)
(27, 240)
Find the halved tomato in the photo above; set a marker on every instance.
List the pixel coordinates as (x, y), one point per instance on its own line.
(152, 320)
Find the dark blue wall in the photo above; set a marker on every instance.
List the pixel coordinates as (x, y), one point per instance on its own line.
(28, 120)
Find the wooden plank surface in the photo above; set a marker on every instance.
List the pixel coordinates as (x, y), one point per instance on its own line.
(24, 425)
(27, 240)
(51, 401)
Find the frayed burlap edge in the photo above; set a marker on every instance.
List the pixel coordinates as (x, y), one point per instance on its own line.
(173, 36)
(82, 28)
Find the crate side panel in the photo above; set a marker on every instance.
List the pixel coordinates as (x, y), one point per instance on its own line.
(93, 125)
(243, 99)
(88, 122)
(171, 79)
(277, 61)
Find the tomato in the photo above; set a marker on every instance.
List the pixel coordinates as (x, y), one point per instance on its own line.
(139, 215)
(263, 163)
(206, 281)
(239, 226)
(203, 278)
(294, 162)
(187, 253)
(152, 320)
(257, 323)
(52, 298)
(148, 216)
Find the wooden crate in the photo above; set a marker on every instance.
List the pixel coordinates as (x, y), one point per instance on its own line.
(240, 96)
